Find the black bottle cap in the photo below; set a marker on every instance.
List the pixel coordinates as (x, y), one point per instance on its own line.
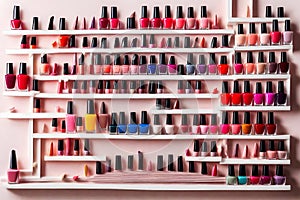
(268, 11)
(269, 87)
(94, 42)
(214, 42)
(213, 146)
(271, 145)
(252, 28)
(84, 85)
(238, 58)
(263, 28)
(152, 87)
(167, 11)
(280, 12)
(187, 42)
(116, 84)
(176, 42)
(169, 120)
(156, 13)
(107, 84)
(122, 118)
(287, 25)
(265, 171)
(212, 58)
(76, 145)
(144, 117)
(259, 118)
(97, 59)
(24, 39)
(62, 24)
(103, 108)
(249, 57)
(66, 68)
(236, 88)
(114, 120)
(126, 60)
(281, 146)
(124, 42)
(283, 57)
(108, 165)
(213, 119)
(13, 160)
(198, 85)
(98, 167)
(180, 69)
(35, 23)
(134, 59)
(113, 12)
(196, 146)
(180, 164)
(261, 57)
(235, 118)
(184, 120)
(203, 119)
(225, 117)
(132, 85)
(191, 166)
(271, 118)
(72, 41)
(23, 68)
(140, 160)
(44, 59)
(103, 43)
(271, 57)
(33, 41)
(60, 145)
(231, 170)
(130, 162)
(247, 118)
(70, 107)
(275, 26)
(54, 122)
(190, 59)
(204, 147)
(104, 12)
(50, 25)
(225, 41)
(240, 29)
(144, 12)
(280, 87)
(179, 13)
(90, 107)
(81, 59)
(258, 88)
(160, 163)
(117, 59)
(170, 162)
(162, 59)
(223, 60)
(203, 12)
(107, 60)
(9, 68)
(16, 13)
(78, 121)
(133, 118)
(118, 164)
(168, 104)
(130, 23)
(190, 12)
(279, 170)
(262, 146)
(247, 87)
(152, 59)
(188, 85)
(204, 168)
(100, 84)
(242, 170)
(196, 120)
(255, 170)
(143, 60)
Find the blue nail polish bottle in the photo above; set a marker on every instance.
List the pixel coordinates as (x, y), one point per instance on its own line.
(132, 127)
(242, 178)
(144, 126)
(190, 67)
(122, 127)
(112, 128)
(152, 65)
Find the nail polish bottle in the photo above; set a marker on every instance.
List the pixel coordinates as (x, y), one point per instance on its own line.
(204, 152)
(281, 152)
(212, 66)
(203, 125)
(156, 21)
(144, 125)
(62, 39)
(225, 127)
(125, 66)
(37, 106)
(103, 43)
(271, 153)
(162, 66)
(190, 67)
(259, 127)
(196, 127)
(102, 116)
(179, 21)
(117, 65)
(152, 66)
(201, 67)
(22, 77)
(79, 126)
(90, 117)
(122, 127)
(66, 88)
(264, 36)
(196, 148)
(287, 34)
(198, 87)
(213, 149)
(97, 64)
(169, 127)
(85, 42)
(279, 179)
(231, 178)
(172, 68)
(24, 44)
(86, 148)
(191, 20)
(225, 96)
(133, 125)
(54, 125)
(10, 77)
(81, 65)
(247, 126)
(223, 67)
(180, 164)
(108, 89)
(280, 12)
(238, 66)
(130, 21)
(258, 96)
(268, 11)
(76, 148)
(214, 128)
(144, 20)
(152, 87)
(132, 89)
(168, 104)
(107, 65)
(33, 43)
(160, 163)
(180, 89)
(13, 171)
(261, 65)
(203, 20)
(134, 65)
(214, 42)
(134, 43)
(271, 126)
(188, 87)
(114, 21)
(143, 65)
(281, 97)
(242, 178)
(236, 96)
(124, 43)
(157, 127)
(168, 20)
(16, 23)
(252, 37)
(284, 65)
(249, 66)
(235, 126)
(272, 65)
(275, 34)
(254, 178)
(184, 124)
(247, 95)
(92, 88)
(72, 42)
(103, 21)
(269, 95)
(265, 179)
(240, 38)
(100, 87)
(141, 87)
(112, 128)
(204, 168)
(60, 148)
(70, 118)
(170, 162)
(262, 150)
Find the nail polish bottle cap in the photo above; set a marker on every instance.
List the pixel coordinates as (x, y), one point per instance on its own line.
(268, 11)
(213, 146)
(152, 87)
(66, 68)
(225, 117)
(265, 171)
(240, 29)
(108, 165)
(184, 119)
(9, 68)
(98, 167)
(236, 88)
(33, 41)
(37, 103)
(90, 107)
(262, 147)
(167, 11)
(60, 145)
(144, 12)
(35, 23)
(79, 121)
(50, 25)
(81, 59)
(132, 85)
(100, 84)
(198, 85)
(104, 12)
(203, 168)
(269, 87)
(169, 43)
(102, 108)
(201, 59)
(116, 85)
(134, 59)
(44, 59)
(72, 42)
(180, 69)
(196, 120)
(85, 42)
(263, 28)
(235, 118)
(259, 118)
(160, 163)
(144, 117)
(191, 166)
(63, 124)
(261, 57)
(204, 147)
(54, 122)
(203, 119)
(247, 87)
(156, 120)
(125, 42)
(141, 84)
(247, 118)
(114, 119)
(238, 58)
(180, 84)
(16, 13)
(275, 26)
(122, 118)
(242, 170)
(140, 160)
(225, 87)
(225, 42)
(13, 160)
(97, 59)
(130, 23)
(170, 162)
(107, 84)
(212, 59)
(252, 28)
(62, 24)
(130, 162)
(280, 87)
(279, 170)
(280, 12)
(223, 60)
(213, 119)
(190, 59)
(180, 164)
(190, 12)
(168, 104)
(176, 42)
(287, 25)
(23, 68)
(169, 120)
(188, 85)
(117, 59)
(281, 146)
(152, 59)
(214, 42)
(179, 13)
(283, 57)
(24, 39)
(143, 60)
(114, 12)
(187, 42)
(118, 165)
(156, 13)
(133, 118)
(94, 42)
(249, 57)
(107, 60)
(70, 107)
(254, 170)
(76, 145)
(203, 12)
(271, 145)
(258, 88)
(231, 170)
(144, 40)
(162, 59)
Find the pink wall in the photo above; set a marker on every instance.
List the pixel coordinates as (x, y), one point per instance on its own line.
(13, 135)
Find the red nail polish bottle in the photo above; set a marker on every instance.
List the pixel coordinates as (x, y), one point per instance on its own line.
(10, 77)
(223, 67)
(247, 95)
(144, 21)
(259, 127)
(24, 44)
(23, 78)
(180, 21)
(238, 66)
(225, 96)
(16, 23)
(156, 21)
(168, 20)
(103, 21)
(114, 21)
(271, 126)
(254, 178)
(275, 34)
(236, 96)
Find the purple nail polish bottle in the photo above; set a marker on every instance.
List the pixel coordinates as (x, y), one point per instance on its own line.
(281, 96)
(272, 65)
(201, 67)
(279, 179)
(269, 95)
(265, 179)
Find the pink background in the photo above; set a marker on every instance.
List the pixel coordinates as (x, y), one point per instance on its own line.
(13, 135)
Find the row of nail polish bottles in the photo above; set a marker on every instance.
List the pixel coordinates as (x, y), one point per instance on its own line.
(271, 153)
(203, 152)
(64, 148)
(22, 78)
(25, 44)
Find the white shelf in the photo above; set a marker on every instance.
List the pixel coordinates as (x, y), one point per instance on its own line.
(237, 20)
(32, 115)
(203, 159)
(233, 161)
(264, 48)
(118, 32)
(148, 187)
(183, 111)
(255, 108)
(155, 137)
(20, 93)
(75, 158)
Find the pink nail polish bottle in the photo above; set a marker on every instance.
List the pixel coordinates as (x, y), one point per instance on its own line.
(269, 95)
(204, 152)
(196, 127)
(212, 66)
(214, 128)
(271, 153)
(264, 36)
(262, 150)
(240, 38)
(203, 125)
(13, 171)
(287, 34)
(60, 148)
(213, 148)
(179, 21)
(191, 20)
(70, 118)
(204, 20)
(125, 66)
(225, 127)
(114, 21)
(238, 66)
(180, 89)
(259, 96)
(281, 152)
(235, 126)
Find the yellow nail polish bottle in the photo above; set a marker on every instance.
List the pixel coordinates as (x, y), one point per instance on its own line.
(90, 117)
